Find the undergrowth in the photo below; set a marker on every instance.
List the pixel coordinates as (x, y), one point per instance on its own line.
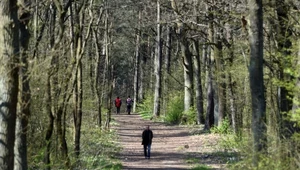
(175, 108)
(145, 109)
(99, 150)
(225, 127)
(201, 167)
(281, 155)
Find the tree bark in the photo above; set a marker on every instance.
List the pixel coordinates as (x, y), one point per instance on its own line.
(143, 62)
(198, 72)
(54, 109)
(221, 85)
(49, 128)
(157, 65)
(209, 121)
(168, 49)
(236, 117)
(198, 84)
(24, 92)
(97, 80)
(286, 129)
(137, 63)
(187, 61)
(257, 89)
(210, 107)
(188, 72)
(9, 32)
(109, 66)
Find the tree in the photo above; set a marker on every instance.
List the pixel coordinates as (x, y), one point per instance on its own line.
(158, 65)
(97, 83)
(256, 79)
(187, 62)
(9, 58)
(137, 69)
(210, 106)
(24, 90)
(198, 73)
(55, 108)
(284, 49)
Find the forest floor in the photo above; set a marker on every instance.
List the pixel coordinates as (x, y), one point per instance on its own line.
(173, 147)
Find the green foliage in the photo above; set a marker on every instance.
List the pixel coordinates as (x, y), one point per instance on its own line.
(189, 117)
(99, 150)
(145, 109)
(175, 109)
(223, 129)
(279, 157)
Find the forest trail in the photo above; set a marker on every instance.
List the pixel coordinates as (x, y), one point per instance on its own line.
(171, 149)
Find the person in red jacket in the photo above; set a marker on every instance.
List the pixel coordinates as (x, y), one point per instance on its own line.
(118, 103)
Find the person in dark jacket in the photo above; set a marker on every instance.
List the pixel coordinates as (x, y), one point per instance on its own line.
(147, 141)
(129, 103)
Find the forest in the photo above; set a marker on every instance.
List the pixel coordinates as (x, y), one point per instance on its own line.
(225, 66)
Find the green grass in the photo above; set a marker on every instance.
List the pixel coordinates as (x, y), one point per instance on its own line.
(99, 150)
(192, 160)
(201, 167)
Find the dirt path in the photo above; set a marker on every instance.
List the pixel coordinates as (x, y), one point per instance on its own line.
(172, 146)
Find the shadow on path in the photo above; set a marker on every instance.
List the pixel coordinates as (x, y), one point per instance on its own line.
(165, 151)
(172, 146)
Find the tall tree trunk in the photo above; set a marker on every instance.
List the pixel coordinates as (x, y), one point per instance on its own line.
(209, 121)
(9, 38)
(198, 70)
(80, 43)
(52, 70)
(257, 89)
(151, 62)
(109, 67)
(297, 95)
(187, 61)
(198, 84)
(167, 69)
(235, 116)
(157, 66)
(188, 72)
(143, 58)
(168, 49)
(49, 129)
(77, 93)
(77, 113)
(104, 82)
(284, 48)
(48, 96)
(97, 79)
(141, 76)
(111, 82)
(210, 117)
(61, 136)
(137, 63)
(221, 86)
(24, 92)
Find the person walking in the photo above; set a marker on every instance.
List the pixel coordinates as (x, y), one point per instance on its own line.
(129, 102)
(147, 141)
(118, 103)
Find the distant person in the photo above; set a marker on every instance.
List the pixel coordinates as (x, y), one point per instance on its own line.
(129, 102)
(147, 141)
(118, 103)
